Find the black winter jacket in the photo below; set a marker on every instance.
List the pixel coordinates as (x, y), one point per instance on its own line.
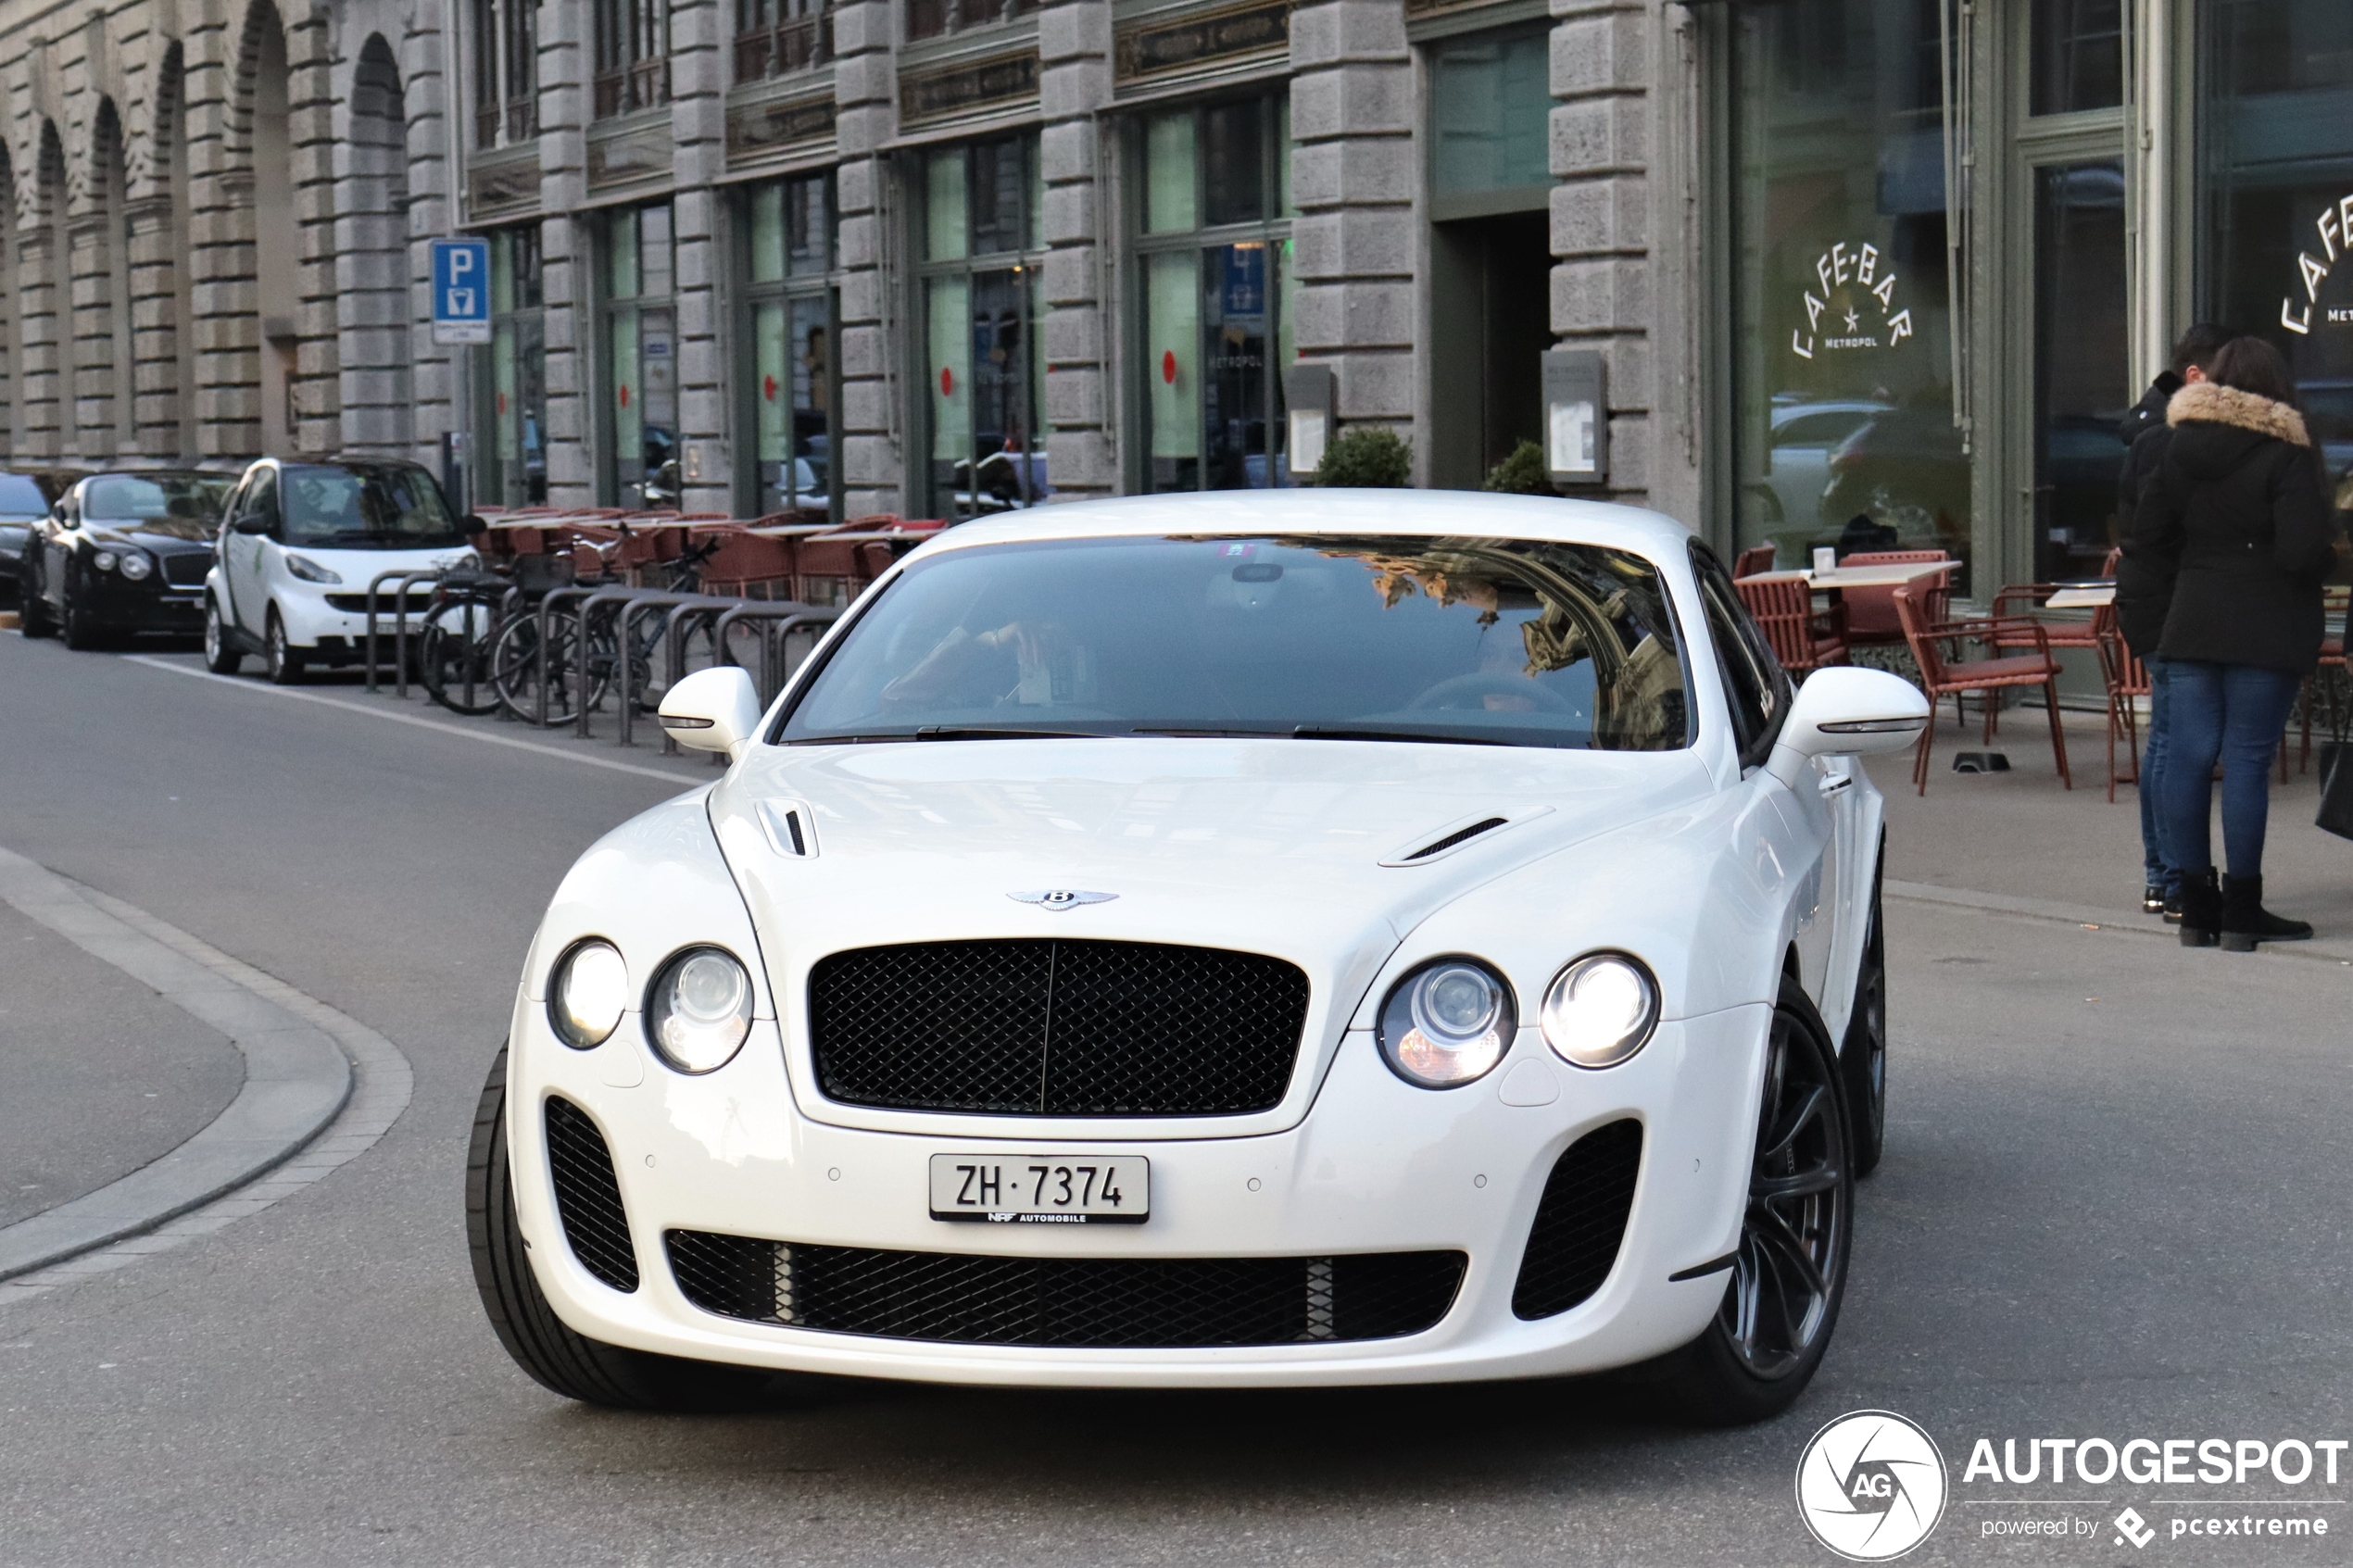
(2236, 522)
(2142, 599)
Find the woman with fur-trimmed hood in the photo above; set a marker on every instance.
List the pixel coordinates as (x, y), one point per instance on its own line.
(2237, 518)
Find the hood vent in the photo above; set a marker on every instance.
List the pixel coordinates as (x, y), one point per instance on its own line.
(789, 828)
(1454, 835)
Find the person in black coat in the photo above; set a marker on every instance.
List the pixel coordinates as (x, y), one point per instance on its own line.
(2237, 522)
(2142, 601)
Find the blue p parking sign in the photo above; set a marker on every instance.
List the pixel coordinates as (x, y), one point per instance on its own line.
(462, 291)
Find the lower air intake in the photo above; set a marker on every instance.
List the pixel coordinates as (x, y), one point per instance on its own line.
(1095, 1303)
(1573, 1244)
(588, 1197)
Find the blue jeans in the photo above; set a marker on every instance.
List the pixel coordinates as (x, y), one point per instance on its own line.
(2158, 868)
(2234, 713)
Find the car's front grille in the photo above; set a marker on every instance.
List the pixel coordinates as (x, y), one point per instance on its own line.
(1580, 1221)
(387, 602)
(588, 1197)
(1055, 1027)
(185, 569)
(1094, 1303)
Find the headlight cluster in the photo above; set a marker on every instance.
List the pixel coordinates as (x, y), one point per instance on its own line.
(312, 572)
(136, 565)
(697, 1010)
(1450, 1022)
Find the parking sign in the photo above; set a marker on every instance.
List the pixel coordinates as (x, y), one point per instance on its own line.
(462, 291)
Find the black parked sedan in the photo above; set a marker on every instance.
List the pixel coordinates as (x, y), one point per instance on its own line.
(25, 499)
(121, 553)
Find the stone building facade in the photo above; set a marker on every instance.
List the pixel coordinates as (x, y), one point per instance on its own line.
(1860, 271)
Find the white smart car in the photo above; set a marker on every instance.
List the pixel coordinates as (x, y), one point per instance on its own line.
(301, 540)
(1296, 938)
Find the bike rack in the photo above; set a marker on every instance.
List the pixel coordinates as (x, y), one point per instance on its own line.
(401, 627)
(704, 608)
(782, 616)
(648, 598)
(547, 605)
(618, 594)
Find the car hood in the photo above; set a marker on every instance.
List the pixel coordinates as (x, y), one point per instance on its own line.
(1269, 845)
(166, 536)
(356, 567)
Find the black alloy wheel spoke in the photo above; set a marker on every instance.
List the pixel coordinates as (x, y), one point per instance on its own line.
(1781, 1291)
(1794, 1121)
(1817, 1178)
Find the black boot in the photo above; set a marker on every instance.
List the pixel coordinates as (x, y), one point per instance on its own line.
(2201, 908)
(2174, 907)
(2153, 899)
(2246, 921)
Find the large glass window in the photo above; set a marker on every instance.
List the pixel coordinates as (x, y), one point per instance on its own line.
(641, 357)
(2275, 183)
(633, 56)
(1843, 431)
(506, 40)
(512, 464)
(1215, 252)
(778, 37)
(1491, 97)
(983, 317)
(792, 391)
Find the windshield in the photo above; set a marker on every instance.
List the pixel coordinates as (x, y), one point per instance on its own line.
(1505, 642)
(20, 496)
(391, 507)
(186, 503)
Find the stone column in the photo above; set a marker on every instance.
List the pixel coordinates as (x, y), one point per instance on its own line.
(865, 115)
(1073, 47)
(89, 285)
(311, 140)
(225, 330)
(434, 370)
(156, 330)
(1352, 178)
(698, 157)
(370, 260)
(1600, 143)
(564, 253)
(37, 359)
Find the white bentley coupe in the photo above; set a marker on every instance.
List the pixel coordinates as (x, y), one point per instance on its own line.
(1301, 937)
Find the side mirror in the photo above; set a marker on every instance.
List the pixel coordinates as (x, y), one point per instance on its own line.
(1847, 712)
(714, 709)
(252, 522)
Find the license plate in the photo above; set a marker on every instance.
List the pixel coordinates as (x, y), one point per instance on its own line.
(1039, 1189)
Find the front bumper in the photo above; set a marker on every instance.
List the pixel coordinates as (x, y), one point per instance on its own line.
(150, 604)
(1375, 1166)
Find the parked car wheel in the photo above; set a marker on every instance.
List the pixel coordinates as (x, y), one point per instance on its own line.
(283, 661)
(220, 655)
(32, 612)
(82, 634)
(1863, 1061)
(1789, 1275)
(563, 1360)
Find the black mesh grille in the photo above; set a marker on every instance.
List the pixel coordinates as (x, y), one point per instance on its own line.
(1104, 1303)
(1573, 1244)
(185, 569)
(587, 1196)
(1057, 1028)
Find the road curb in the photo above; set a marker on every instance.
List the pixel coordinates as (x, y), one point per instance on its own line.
(297, 1079)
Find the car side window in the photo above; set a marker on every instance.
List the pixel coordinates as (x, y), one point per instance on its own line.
(1756, 687)
(263, 498)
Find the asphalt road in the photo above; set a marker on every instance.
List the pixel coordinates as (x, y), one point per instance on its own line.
(2114, 1204)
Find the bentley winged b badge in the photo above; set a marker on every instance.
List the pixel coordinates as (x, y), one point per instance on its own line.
(1061, 898)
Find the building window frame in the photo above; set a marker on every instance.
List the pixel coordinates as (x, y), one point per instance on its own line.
(777, 38)
(506, 69)
(1150, 250)
(936, 277)
(631, 42)
(637, 314)
(797, 286)
(510, 380)
(945, 18)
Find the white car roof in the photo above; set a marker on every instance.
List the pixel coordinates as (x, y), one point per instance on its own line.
(1336, 511)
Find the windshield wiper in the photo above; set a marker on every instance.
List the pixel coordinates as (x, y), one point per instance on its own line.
(1344, 731)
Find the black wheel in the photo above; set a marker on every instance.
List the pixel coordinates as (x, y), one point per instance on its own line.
(82, 634)
(1789, 1275)
(280, 658)
(33, 608)
(564, 1361)
(220, 655)
(1862, 1060)
(453, 659)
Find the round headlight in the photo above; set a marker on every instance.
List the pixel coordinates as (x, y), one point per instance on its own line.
(1600, 1010)
(1447, 1023)
(135, 565)
(103, 560)
(590, 993)
(700, 1010)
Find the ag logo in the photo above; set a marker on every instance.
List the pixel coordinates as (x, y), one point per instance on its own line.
(1870, 1485)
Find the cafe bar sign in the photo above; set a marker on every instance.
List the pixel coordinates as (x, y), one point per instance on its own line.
(1857, 307)
(2336, 226)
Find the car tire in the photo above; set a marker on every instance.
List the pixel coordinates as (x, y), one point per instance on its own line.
(1751, 1363)
(33, 611)
(283, 661)
(559, 1359)
(220, 655)
(82, 634)
(1862, 1060)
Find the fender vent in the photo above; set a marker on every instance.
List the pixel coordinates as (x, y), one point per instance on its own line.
(1456, 833)
(588, 1196)
(788, 828)
(1573, 1244)
(1459, 836)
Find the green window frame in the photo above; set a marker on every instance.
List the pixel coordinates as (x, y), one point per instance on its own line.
(791, 377)
(510, 397)
(637, 256)
(979, 310)
(1211, 248)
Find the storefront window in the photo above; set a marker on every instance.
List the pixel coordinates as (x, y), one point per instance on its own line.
(512, 465)
(983, 314)
(641, 359)
(2275, 184)
(792, 391)
(1217, 287)
(2078, 55)
(1490, 100)
(1844, 430)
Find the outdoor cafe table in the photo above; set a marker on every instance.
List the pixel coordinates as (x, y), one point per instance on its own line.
(2086, 596)
(1890, 576)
